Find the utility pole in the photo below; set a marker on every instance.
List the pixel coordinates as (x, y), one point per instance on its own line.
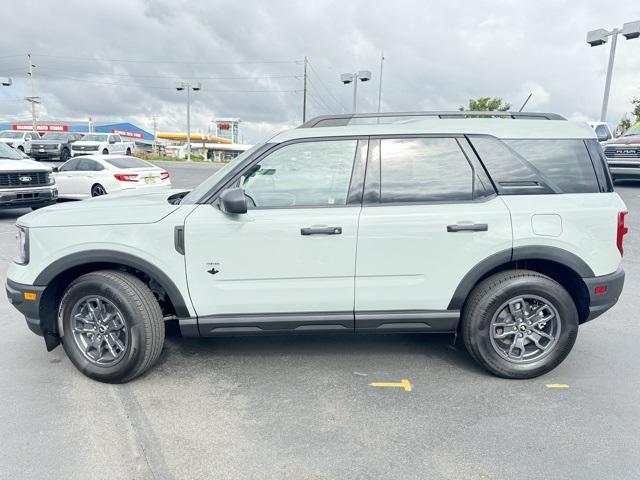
(32, 99)
(155, 130)
(380, 81)
(304, 93)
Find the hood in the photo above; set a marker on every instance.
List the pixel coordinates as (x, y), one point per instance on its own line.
(112, 209)
(22, 166)
(630, 140)
(10, 140)
(47, 142)
(88, 143)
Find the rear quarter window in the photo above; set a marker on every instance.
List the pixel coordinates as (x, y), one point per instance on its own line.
(565, 163)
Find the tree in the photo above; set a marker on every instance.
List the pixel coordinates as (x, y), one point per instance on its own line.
(486, 104)
(624, 125)
(626, 122)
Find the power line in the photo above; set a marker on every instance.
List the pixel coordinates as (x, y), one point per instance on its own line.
(171, 77)
(342, 107)
(181, 62)
(319, 99)
(330, 109)
(158, 87)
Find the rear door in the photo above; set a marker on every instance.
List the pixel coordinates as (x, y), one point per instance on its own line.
(430, 216)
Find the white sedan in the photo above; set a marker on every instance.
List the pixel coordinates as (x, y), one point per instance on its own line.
(95, 175)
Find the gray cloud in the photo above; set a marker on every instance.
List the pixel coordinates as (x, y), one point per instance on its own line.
(438, 54)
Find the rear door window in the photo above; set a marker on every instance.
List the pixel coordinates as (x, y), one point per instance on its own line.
(420, 170)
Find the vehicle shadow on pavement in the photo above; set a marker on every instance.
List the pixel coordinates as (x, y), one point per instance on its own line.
(345, 349)
(13, 214)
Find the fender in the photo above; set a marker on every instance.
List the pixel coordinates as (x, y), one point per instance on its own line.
(538, 252)
(108, 256)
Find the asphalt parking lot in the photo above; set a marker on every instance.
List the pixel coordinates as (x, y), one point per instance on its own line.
(302, 407)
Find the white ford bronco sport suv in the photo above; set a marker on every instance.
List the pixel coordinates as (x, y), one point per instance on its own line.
(505, 230)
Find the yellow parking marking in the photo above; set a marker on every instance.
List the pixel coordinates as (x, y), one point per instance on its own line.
(557, 385)
(404, 383)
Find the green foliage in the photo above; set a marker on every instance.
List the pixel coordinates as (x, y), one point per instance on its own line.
(625, 124)
(486, 104)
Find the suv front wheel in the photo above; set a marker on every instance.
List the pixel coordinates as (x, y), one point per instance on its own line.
(519, 324)
(112, 326)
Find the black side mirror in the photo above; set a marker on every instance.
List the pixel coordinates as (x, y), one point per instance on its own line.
(55, 169)
(233, 201)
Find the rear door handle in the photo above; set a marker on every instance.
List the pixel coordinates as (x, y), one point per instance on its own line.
(468, 227)
(321, 231)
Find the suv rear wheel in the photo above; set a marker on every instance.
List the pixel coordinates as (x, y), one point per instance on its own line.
(519, 324)
(112, 326)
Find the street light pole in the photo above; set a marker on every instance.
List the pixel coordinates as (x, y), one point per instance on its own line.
(362, 75)
(595, 38)
(607, 82)
(188, 87)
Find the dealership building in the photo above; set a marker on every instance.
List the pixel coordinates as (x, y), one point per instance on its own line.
(143, 140)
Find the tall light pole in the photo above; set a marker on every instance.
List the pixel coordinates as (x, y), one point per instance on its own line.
(362, 75)
(188, 87)
(32, 99)
(599, 37)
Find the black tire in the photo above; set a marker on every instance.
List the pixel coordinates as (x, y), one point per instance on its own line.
(141, 314)
(105, 152)
(98, 190)
(64, 155)
(490, 296)
(21, 148)
(128, 152)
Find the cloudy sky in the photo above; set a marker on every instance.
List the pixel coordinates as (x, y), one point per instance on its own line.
(120, 59)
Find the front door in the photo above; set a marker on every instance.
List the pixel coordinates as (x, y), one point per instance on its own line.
(288, 264)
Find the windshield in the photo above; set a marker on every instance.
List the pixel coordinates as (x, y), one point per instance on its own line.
(632, 131)
(205, 186)
(8, 153)
(93, 137)
(55, 136)
(11, 135)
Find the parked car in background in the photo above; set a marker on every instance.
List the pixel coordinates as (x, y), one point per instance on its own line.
(603, 131)
(24, 183)
(18, 139)
(505, 230)
(101, 143)
(54, 145)
(95, 175)
(623, 154)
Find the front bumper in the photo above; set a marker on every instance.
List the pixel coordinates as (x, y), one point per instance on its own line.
(610, 288)
(28, 197)
(45, 154)
(30, 309)
(630, 170)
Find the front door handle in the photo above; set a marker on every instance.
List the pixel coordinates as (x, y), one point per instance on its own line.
(321, 231)
(468, 227)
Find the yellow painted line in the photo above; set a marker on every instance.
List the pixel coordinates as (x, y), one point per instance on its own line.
(404, 383)
(557, 385)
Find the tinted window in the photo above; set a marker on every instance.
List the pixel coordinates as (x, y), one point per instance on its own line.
(70, 165)
(89, 165)
(565, 163)
(424, 170)
(602, 131)
(312, 174)
(127, 162)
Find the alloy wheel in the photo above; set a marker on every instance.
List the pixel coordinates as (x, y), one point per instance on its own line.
(99, 330)
(525, 329)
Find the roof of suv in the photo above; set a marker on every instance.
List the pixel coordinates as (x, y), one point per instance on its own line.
(547, 126)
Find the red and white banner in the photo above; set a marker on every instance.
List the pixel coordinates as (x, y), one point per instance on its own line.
(41, 128)
(127, 134)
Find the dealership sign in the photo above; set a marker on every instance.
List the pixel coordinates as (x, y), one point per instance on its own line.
(42, 128)
(127, 134)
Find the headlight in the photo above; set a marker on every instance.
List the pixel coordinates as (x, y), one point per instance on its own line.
(51, 180)
(23, 246)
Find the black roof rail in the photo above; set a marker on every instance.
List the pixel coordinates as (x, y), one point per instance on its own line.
(342, 120)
